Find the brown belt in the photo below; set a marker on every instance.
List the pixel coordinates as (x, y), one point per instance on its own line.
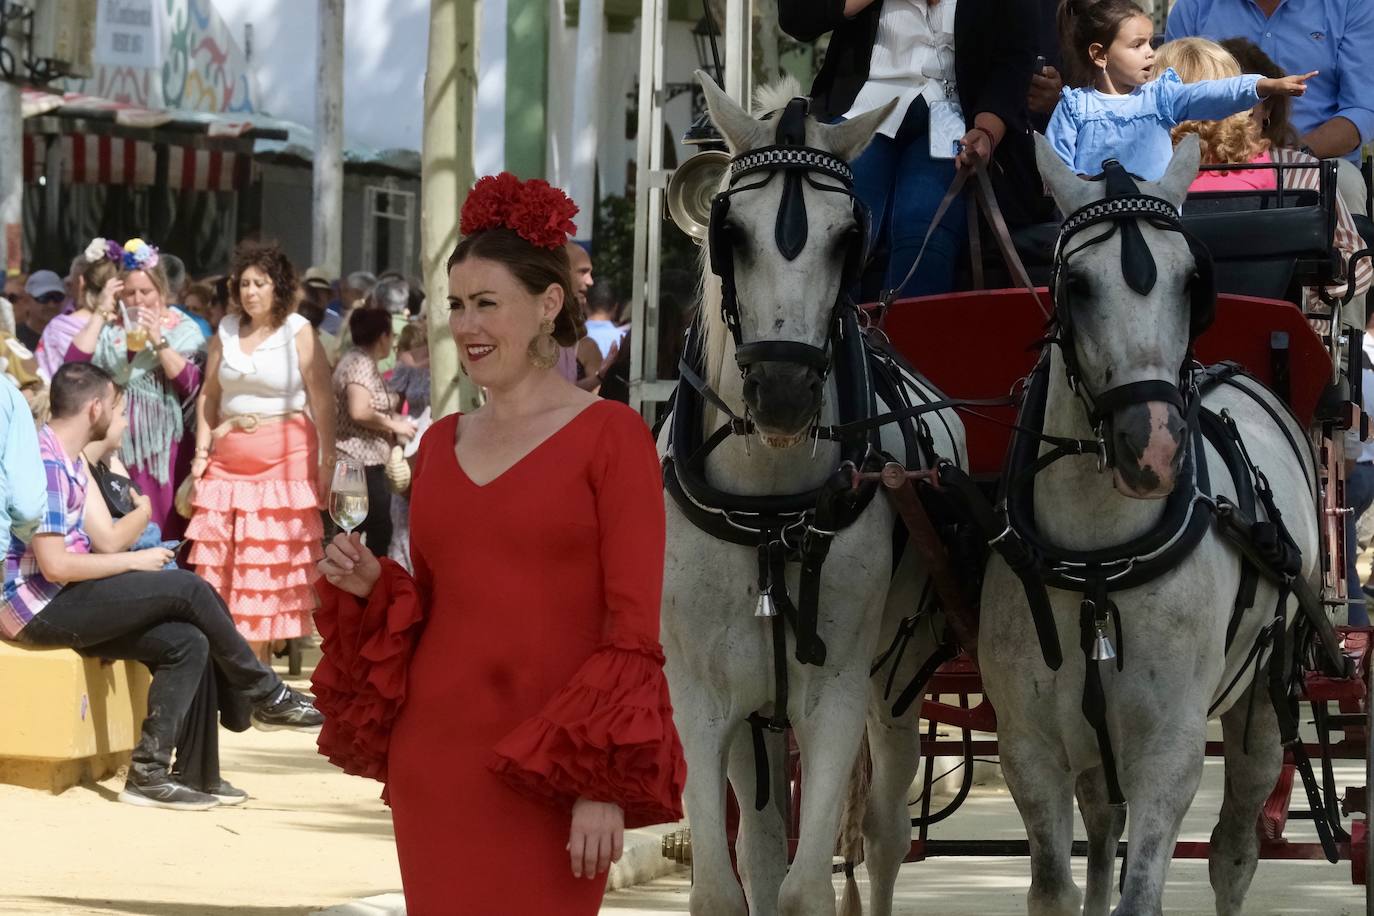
(249, 422)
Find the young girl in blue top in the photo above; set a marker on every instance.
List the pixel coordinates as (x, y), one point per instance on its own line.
(1118, 111)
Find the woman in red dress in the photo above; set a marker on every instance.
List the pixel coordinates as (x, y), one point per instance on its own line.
(511, 694)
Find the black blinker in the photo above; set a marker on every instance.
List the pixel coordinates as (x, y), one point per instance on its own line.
(1137, 263)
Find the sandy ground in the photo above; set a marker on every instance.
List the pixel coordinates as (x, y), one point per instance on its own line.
(308, 837)
(311, 838)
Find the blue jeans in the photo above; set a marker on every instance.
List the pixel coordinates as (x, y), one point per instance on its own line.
(152, 537)
(1359, 495)
(902, 188)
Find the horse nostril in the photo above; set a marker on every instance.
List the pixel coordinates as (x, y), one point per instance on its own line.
(751, 387)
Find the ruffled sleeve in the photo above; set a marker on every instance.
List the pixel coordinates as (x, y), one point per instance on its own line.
(360, 681)
(609, 734)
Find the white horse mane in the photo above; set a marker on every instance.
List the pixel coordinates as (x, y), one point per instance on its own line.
(710, 323)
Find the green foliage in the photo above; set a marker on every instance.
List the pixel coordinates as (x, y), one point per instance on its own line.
(613, 255)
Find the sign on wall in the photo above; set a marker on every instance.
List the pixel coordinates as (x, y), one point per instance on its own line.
(128, 34)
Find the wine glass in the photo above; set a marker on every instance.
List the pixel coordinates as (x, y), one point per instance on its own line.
(348, 495)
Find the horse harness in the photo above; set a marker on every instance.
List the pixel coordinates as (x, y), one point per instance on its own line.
(1267, 548)
(799, 527)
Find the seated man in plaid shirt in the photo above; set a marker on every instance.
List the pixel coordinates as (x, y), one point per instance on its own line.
(126, 606)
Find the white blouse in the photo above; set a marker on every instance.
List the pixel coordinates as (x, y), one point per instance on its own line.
(266, 382)
(913, 55)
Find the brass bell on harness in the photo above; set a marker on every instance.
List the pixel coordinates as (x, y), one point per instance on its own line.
(765, 607)
(1103, 650)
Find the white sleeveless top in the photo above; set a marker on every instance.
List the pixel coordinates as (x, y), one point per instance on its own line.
(267, 381)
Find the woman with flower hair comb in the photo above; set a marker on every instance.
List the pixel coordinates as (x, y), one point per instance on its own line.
(511, 692)
(157, 355)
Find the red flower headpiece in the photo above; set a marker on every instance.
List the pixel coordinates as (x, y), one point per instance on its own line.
(535, 210)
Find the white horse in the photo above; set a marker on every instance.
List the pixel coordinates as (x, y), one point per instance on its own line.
(720, 655)
(1175, 665)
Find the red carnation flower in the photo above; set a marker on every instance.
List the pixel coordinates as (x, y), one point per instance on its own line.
(489, 203)
(543, 215)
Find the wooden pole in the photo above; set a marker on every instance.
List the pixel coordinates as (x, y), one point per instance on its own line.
(327, 173)
(446, 174)
(586, 113)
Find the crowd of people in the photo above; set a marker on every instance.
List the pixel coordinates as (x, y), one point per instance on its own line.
(181, 436)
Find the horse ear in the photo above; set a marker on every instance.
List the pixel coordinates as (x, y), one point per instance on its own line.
(1182, 170)
(848, 139)
(736, 125)
(1069, 191)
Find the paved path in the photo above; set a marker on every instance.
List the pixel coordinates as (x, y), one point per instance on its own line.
(997, 887)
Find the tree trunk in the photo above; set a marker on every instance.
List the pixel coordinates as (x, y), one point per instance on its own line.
(446, 174)
(327, 173)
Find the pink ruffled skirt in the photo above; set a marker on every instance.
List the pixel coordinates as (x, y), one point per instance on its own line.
(257, 527)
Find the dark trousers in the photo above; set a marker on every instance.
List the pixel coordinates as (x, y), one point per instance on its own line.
(197, 750)
(902, 186)
(376, 531)
(174, 623)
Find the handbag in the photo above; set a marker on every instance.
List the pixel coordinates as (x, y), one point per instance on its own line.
(398, 470)
(185, 492)
(116, 489)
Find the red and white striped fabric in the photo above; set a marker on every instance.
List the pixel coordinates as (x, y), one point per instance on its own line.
(191, 169)
(92, 159)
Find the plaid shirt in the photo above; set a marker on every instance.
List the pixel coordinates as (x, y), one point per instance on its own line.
(26, 592)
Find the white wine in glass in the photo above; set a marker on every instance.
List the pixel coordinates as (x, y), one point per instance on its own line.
(348, 495)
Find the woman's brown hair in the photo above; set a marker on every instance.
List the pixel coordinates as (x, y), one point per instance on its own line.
(93, 279)
(1276, 127)
(271, 260)
(1084, 23)
(535, 268)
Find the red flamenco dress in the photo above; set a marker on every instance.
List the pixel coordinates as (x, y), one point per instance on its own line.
(518, 671)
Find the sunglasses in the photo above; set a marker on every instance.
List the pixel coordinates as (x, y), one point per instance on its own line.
(51, 298)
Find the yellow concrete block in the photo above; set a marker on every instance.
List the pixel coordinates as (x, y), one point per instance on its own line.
(56, 705)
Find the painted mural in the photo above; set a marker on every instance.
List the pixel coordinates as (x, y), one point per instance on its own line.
(191, 61)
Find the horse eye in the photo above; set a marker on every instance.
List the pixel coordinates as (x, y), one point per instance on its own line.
(1077, 284)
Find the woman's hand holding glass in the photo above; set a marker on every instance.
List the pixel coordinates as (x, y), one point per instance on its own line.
(350, 566)
(152, 324)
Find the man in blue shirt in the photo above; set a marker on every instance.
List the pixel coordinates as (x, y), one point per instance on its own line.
(1333, 37)
(22, 479)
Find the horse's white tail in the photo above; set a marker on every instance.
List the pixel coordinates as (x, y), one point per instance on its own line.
(851, 841)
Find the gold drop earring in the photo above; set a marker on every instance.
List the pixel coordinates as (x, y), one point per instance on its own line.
(543, 350)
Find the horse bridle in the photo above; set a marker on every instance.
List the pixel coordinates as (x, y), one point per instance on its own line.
(1122, 209)
(797, 163)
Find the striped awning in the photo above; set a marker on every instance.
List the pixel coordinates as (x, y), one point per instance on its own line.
(102, 159)
(190, 169)
(93, 159)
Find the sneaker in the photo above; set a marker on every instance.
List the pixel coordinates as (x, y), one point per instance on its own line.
(162, 791)
(229, 794)
(288, 709)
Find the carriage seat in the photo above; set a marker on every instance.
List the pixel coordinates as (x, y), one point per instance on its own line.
(1263, 243)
